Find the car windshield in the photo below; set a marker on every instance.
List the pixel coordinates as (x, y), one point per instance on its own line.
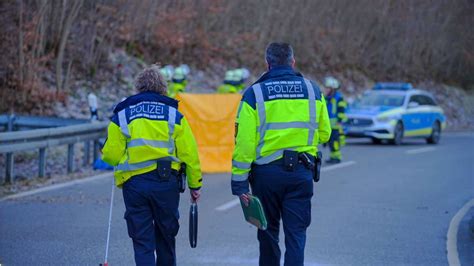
(380, 99)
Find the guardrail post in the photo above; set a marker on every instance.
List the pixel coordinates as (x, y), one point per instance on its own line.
(96, 150)
(87, 152)
(70, 158)
(42, 162)
(11, 120)
(10, 174)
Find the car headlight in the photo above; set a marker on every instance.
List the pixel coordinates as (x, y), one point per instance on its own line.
(385, 119)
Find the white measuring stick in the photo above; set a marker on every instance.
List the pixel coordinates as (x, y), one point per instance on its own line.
(110, 223)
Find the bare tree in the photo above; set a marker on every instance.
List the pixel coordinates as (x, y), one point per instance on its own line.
(65, 29)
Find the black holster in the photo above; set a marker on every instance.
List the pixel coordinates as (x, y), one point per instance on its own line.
(182, 178)
(315, 166)
(317, 170)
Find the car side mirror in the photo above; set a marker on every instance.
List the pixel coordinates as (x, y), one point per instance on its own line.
(413, 105)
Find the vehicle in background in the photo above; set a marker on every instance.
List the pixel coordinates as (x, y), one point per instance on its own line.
(393, 111)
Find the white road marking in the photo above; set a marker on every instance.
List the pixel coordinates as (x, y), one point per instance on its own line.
(420, 150)
(58, 186)
(469, 134)
(452, 238)
(337, 166)
(229, 205)
(235, 202)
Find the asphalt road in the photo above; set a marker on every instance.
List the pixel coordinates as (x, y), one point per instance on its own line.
(384, 205)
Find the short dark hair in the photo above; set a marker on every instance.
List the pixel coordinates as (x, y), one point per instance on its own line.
(279, 54)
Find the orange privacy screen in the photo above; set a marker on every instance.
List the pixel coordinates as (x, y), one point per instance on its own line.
(212, 119)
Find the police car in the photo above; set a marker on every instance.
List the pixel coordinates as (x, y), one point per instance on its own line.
(393, 111)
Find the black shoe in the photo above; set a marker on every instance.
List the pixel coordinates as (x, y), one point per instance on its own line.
(333, 161)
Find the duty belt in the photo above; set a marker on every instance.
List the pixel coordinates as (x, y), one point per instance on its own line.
(281, 161)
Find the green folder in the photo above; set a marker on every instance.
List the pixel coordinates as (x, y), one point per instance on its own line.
(254, 213)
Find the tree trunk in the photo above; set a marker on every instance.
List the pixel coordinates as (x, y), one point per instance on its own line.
(76, 6)
(21, 55)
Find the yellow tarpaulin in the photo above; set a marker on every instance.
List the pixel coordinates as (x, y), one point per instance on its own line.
(212, 119)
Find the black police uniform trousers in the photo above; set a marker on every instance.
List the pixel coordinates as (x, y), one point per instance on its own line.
(152, 217)
(285, 196)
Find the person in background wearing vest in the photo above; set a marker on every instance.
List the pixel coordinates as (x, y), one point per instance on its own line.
(167, 72)
(336, 109)
(234, 81)
(242, 74)
(179, 81)
(281, 115)
(147, 141)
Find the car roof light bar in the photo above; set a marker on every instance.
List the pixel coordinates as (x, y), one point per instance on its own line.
(399, 86)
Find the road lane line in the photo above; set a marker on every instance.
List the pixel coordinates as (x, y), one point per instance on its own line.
(452, 238)
(469, 134)
(57, 186)
(229, 205)
(420, 150)
(337, 166)
(235, 202)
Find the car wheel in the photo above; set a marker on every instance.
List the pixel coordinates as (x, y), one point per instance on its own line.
(376, 141)
(397, 134)
(435, 134)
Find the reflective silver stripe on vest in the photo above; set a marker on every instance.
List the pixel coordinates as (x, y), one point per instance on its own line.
(312, 111)
(241, 165)
(123, 123)
(257, 90)
(242, 177)
(147, 142)
(171, 124)
(137, 166)
(270, 158)
(169, 158)
(238, 110)
(285, 125)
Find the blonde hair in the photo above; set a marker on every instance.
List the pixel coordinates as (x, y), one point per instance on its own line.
(150, 79)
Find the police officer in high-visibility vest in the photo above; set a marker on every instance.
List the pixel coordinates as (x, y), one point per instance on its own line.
(336, 109)
(282, 117)
(242, 75)
(231, 83)
(179, 81)
(148, 140)
(167, 72)
(234, 81)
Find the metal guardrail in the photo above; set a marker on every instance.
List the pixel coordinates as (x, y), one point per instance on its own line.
(21, 122)
(17, 141)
